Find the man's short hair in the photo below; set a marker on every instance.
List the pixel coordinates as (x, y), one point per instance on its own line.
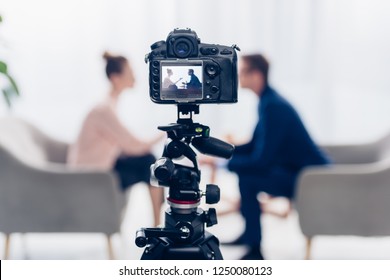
(257, 62)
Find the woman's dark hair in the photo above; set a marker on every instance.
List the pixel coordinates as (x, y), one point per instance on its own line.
(115, 63)
(257, 62)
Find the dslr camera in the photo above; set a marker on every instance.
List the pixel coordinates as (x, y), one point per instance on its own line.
(182, 70)
(186, 72)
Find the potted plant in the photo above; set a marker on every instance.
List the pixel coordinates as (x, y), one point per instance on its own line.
(9, 87)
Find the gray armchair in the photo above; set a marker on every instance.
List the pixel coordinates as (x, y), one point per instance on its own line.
(39, 193)
(349, 197)
(360, 153)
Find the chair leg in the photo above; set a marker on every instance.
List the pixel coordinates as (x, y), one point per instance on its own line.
(111, 255)
(308, 248)
(7, 245)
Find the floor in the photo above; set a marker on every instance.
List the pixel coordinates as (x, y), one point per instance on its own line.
(282, 238)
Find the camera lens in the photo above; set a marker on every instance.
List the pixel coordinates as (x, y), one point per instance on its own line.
(182, 47)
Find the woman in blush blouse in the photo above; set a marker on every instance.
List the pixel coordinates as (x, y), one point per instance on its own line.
(105, 143)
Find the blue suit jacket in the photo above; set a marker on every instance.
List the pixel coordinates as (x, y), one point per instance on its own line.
(280, 140)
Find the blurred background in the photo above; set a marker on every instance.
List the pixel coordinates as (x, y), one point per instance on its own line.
(330, 58)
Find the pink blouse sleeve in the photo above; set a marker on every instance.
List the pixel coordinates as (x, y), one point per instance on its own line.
(111, 126)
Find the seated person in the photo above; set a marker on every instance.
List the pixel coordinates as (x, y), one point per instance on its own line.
(194, 82)
(104, 142)
(271, 161)
(167, 83)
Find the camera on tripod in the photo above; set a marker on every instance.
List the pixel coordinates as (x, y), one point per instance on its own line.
(184, 70)
(211, 78)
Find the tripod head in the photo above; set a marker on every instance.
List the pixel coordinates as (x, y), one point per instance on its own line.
(184, 223)
(184, 180)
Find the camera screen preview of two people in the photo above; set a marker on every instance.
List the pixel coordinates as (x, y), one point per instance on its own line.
(176, 74)
(270, 162)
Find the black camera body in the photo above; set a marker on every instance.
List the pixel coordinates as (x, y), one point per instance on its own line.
(183, 70)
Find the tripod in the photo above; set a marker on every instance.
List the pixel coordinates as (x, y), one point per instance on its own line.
(184, 235)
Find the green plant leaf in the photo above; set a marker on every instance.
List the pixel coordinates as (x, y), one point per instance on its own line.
(3, 67)
(13, 88)
(13, 84)
(6, 97)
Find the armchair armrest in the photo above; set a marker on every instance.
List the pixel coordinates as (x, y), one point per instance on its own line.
(56, 199)
(345, 199)
(352, 154)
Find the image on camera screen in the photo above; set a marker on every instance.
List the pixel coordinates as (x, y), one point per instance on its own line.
(182, 81)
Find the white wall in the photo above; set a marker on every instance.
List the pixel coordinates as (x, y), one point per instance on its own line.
(329, 57)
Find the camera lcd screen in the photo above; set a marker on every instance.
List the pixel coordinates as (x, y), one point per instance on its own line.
(181, 81)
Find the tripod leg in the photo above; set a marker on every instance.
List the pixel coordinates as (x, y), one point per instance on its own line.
(215, 249)
(211, 245)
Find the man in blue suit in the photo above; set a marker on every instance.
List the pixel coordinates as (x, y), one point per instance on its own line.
(194, 82)
(279, 149)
